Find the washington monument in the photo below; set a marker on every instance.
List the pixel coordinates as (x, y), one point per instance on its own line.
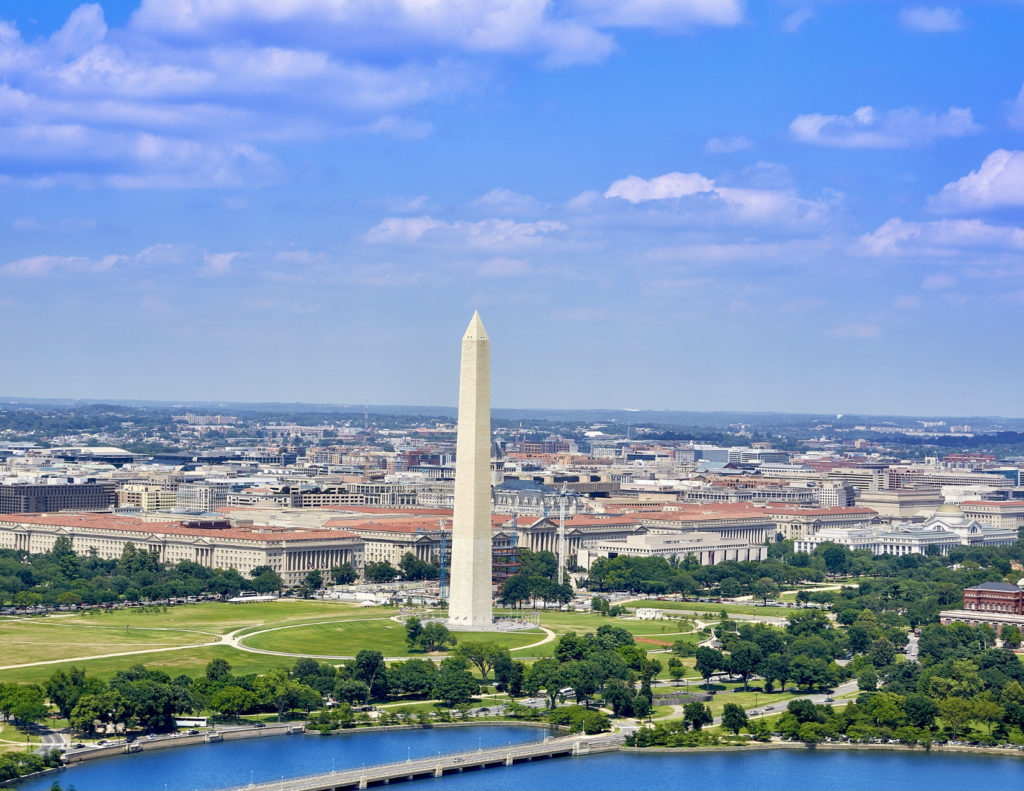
(470, 600)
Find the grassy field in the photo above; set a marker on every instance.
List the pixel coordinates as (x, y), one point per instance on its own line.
(348, 637)
(350, 629)
(709, 608)
(221, 617)
(14, 740)
(51, 638)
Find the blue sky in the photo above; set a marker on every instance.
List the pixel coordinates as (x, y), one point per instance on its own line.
(685, 204)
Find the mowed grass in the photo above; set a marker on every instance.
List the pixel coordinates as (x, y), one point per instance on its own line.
(44, 639)
(347, 638)
(223, 617)
(710, 608)
(190, 662)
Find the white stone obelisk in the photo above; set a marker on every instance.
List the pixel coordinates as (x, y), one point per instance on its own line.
(469, 604)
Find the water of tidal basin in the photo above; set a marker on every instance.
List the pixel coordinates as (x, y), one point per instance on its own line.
(219, 765)
(223, 764)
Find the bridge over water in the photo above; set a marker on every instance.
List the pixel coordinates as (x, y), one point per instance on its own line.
(439, 765)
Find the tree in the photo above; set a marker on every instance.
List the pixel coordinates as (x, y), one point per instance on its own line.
(743, 659)
(413, 627)
(268, 581)
(881, 653)
(867, 681)
(989, 712)
(509, 674)
(276, 689)
(734, 718)
(546, 674)
(313, 582)
(345, 574)
(730, 587)
(583, 678)
(956, 712)
(435, 636)
(369, 667)
(380, 572)
(836, 558)
(351, 691)
(454, 684)
(1011, 635)
(481, 653)
(764, 588)
(697, 715)
(64, 688)
(515, 590)
(218, 670)
(708, 662)
(232, 700)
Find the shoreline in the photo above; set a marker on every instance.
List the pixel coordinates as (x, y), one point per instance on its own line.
(944, 748)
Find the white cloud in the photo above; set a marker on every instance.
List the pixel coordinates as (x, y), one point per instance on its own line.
(672, 185)
(907, 302)
(84, 28)
(219, 263)
(153, 256)
(898, 237)
(796, 20)
(36, 266)
(998, 182)
(503, 267)
(857, 331)
(1016, 115)
(485, 233)
(931, 20)
(727, 145)
(741, 203)
(870, 128)
(938, 282)
(27, 224)
(662, 14)
(506, 201)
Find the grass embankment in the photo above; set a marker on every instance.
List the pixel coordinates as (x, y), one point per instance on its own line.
(710, 608)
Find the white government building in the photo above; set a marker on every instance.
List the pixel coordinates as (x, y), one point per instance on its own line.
(946, 529)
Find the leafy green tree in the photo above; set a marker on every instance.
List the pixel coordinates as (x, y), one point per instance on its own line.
(369, 667)
(956, 712)
(744, 657)
(435, 636)
(867, 681)
(708, 662)
(218, 670)
(697, 715)
(481, 653)
(380, 572)
(231, 700)
(546, 674)
(454, 684)
(351, 691)
(509, 675)
(1011, 636)
(734, 718)
(345, 574)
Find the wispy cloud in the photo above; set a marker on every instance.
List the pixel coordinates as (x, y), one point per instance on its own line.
(857, 331)
(938, 19)
(898, 237)
(867, 127)
(485, 233)
(728, 145)
(796, 20)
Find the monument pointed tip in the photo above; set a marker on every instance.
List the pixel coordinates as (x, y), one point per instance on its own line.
(475, 330)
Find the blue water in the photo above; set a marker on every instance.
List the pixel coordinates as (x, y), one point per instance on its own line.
(212, 766)
(223, 764)
(764, 770)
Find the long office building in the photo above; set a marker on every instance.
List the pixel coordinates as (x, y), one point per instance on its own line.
(214, 544)
(25, 498)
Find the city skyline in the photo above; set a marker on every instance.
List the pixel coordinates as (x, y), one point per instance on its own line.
(777, 206)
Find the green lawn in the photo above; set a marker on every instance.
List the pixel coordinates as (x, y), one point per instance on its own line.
(711, 608)
(347, 638)
(191, 662)
(223, 617)
(51, 638)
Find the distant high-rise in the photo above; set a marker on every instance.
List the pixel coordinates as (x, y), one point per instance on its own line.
(470, 600)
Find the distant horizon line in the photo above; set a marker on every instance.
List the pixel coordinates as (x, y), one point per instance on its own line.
(361, 407)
